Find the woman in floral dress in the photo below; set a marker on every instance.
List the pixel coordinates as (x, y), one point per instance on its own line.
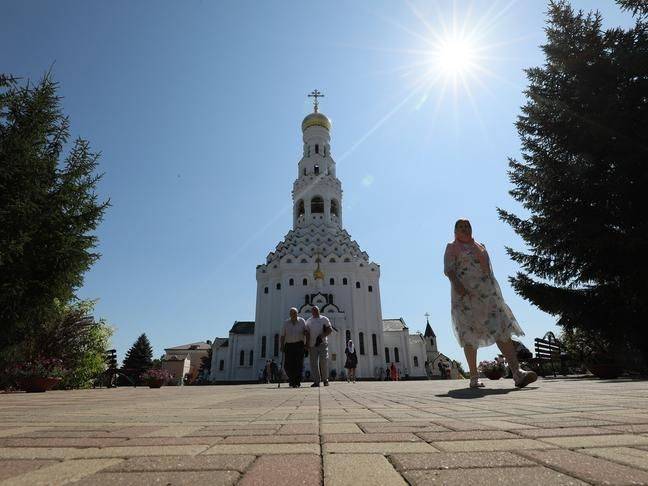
(480, 317)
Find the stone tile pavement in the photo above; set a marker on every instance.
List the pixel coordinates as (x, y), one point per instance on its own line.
(557, 431)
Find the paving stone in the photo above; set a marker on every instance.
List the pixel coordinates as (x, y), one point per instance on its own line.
(235, 462)
(60, 441)
(62, 472)
(285, 470)
(340, 429)
(454, 460)
(259, 449)
(587, 468)
(467, 435)
(630, 428)
(491, 445)
(625, 455)
(597, 440)
(299, 429)
(563, 432)
(173, 431)
(357, 469)
(273, 439)
(8, 432)
(90, 452)
(166, 441)
(14, 467)
(377, 447)
(168, 478)
(388, 437)
(393, 428)
(529, 476)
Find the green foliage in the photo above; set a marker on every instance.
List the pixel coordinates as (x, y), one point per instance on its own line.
(583, 176)
(205, 363)
(48, 211)
(139, 357)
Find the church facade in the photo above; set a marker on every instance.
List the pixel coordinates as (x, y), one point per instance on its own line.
(318, 263)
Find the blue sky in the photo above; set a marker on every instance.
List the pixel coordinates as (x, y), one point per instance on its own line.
(196, 108)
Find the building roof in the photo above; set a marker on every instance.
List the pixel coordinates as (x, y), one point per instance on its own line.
(394, 324)
(428, 331)
(242, 327)
(191, 346)
(218, 342)
(413, 338)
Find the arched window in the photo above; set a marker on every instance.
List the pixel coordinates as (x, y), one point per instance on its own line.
(345, 281)
(374, 344)
(370, 288)
(317, 205)
(300, 204)
(305, 282)
(242, 358)
(276, 345)
(357, 285)
(221, 365)
(316, 169)
(335, 209)
(332, 260)
(396, 356)
(387, 360)
(251, 357)
(278, 286)
(317, 148)
(416, 361)
(291, 282)
(348, 335)
(331, 281)
(263, 346)
(432, 341)
(361, 342)
(265, 290)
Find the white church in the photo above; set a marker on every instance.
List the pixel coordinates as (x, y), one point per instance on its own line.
(318, 263)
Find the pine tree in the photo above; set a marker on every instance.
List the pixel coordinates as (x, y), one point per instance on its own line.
(48, 209)
(205, 363)
(584, 175)
(139, 357)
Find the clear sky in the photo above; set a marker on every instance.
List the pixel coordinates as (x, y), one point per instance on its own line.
(196, 108)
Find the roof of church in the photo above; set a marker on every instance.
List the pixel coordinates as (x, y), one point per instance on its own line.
(219, 342)
(415, 337)
(242, 327)
(428, 331)
(394, 324)
(191, 346)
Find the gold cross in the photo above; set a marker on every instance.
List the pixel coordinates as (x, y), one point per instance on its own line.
(315, 94)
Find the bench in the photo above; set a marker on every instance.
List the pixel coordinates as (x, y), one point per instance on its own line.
(548, 350)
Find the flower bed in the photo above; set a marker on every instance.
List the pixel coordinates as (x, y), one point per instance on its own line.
(493, 370)
(156, 378)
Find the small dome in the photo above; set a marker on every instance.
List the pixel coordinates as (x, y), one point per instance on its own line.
(316, 119)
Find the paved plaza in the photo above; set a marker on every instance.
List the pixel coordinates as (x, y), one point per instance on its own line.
(563, 431)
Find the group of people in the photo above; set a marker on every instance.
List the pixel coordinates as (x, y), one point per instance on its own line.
(480, 317)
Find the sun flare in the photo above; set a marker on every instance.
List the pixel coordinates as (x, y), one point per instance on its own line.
(454, 56)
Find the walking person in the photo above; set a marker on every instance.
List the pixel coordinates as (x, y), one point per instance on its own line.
(393, 372)
(351, 361)
(293, 336)
(480, 317)
(317, 330)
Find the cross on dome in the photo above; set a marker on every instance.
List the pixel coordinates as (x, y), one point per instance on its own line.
(315, 94)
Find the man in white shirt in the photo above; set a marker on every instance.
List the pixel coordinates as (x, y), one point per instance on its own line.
(293, 336)
(317, 329)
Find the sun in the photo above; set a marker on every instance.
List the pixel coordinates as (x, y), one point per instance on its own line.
(454, 56)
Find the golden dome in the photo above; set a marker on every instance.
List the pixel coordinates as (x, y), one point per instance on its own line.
(316, 119)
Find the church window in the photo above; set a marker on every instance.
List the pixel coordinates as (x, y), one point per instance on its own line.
(300, 207)
(308, 151)
(374, 344)
(278, 286)
(251, 361)
(317, 205)
(396, 356)
(331, 281)
(265, 290)
(357, 285)
(361, 342)
(276, 345)
(242, 358)
(263, 346)
(291, 282)
(370, 288)
(316, 169)
(345, 281)
(317, 148)
(415, 361)
(432, 341)
(305, 282)
(334, 207)
(221, 365)
(387, 360)
(348, 335)
(332, 260)
(304, 260)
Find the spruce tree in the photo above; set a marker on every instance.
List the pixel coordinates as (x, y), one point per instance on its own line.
(48, 210)
(139, 357)
(583, 177)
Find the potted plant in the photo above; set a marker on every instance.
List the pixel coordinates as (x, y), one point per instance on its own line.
(493, 370)
(39, 374)
(155, 378)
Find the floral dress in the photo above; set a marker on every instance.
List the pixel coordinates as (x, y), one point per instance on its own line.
(481, 317)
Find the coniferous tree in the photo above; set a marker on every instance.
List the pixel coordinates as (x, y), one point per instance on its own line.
(583, 177)
(139, 357)
(48, 210)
